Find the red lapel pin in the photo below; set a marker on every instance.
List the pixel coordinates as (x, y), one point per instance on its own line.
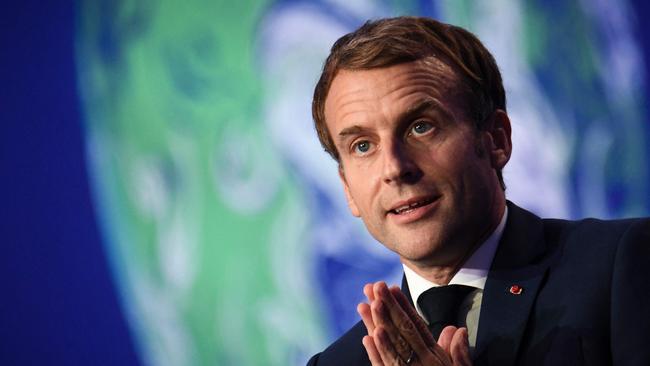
(516, 289)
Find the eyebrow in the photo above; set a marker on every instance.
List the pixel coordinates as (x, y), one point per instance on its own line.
(412, 112)
(420, 107)
(352, 130)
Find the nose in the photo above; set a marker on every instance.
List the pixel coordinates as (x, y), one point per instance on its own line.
(399, 166)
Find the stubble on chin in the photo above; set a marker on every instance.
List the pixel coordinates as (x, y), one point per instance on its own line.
(434, 249)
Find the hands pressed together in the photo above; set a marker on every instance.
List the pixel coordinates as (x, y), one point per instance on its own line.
(397, 335)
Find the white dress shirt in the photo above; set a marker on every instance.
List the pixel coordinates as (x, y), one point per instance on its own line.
(473, 273)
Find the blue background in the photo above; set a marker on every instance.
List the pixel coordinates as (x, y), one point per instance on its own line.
(58, 305)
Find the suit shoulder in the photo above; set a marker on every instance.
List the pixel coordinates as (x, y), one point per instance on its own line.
(594, 230)
(347, 350)
(593, 244)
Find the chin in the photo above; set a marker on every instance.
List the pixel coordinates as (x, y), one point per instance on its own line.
(419, 250)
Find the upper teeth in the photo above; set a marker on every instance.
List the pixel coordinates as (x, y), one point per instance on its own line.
(407, 207)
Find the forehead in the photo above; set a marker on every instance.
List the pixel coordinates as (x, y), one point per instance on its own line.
(354, 89)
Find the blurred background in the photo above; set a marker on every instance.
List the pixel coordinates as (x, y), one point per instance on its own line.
(165, 200)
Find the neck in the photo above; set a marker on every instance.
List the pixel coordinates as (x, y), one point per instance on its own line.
(439, 274)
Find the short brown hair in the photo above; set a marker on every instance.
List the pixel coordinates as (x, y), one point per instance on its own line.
(391, 41)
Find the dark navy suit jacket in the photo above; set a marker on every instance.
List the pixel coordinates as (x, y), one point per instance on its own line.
(585, 298)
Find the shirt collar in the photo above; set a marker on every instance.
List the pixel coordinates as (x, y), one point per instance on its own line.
(474, 271)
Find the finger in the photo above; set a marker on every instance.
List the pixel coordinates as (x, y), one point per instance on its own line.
(376, 289)
(371, 350)
(460, 348)
(366, 315)
(385, 348)
(406, 336)
(447, 334)
(367, 290)
(421, 326)
(381, 318)
(441, 356)
(390, 357)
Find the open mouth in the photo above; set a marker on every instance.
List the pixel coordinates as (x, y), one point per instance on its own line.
(411, 206)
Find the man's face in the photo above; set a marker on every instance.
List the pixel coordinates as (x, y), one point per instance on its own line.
(413, 165)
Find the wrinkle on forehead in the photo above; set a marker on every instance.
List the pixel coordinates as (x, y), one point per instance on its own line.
(429, 70)
(429, 76)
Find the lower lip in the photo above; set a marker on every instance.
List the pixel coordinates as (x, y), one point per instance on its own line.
(415, 214)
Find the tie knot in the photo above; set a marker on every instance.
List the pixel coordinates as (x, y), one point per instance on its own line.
(440, 305)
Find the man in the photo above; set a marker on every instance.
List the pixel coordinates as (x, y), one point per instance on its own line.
(414, 112)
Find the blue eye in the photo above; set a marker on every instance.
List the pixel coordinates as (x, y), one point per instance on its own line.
(362, 147)
(420, 128)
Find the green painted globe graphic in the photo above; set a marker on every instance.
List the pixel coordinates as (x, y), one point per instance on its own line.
(203, 224)
(224, 221)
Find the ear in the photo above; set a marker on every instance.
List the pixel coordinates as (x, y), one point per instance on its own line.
(499, 144)
(353, 206)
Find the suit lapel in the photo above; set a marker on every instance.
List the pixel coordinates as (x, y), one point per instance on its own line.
(505, 310)
(406, 291)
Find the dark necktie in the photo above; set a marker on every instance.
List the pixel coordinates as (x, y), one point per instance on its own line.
(440, 306)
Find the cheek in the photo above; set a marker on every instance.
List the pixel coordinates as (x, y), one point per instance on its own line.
(450, 162)
(365, 194)
(460, 166)
(362, 201)
(355, 194)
